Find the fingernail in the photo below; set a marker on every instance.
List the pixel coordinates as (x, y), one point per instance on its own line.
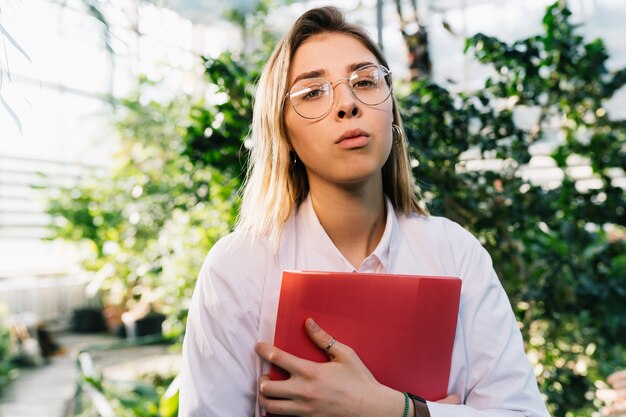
(313, 325)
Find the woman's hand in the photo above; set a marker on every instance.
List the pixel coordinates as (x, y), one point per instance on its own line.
(341, 387)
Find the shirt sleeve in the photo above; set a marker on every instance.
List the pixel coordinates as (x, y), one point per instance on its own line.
(498, 380)
(219, 365)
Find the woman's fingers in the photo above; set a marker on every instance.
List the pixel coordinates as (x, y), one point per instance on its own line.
(265, 385)
(280, 358)
(275, 389)
(277, 397)
(323, 340)
(337, 351)
(450, 399)
(277, 406)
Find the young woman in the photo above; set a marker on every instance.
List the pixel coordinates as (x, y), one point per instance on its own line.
(330, 188)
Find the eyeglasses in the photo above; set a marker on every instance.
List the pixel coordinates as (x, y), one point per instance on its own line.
(312, 98)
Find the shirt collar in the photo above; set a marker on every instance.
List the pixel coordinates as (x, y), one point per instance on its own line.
(383, 250)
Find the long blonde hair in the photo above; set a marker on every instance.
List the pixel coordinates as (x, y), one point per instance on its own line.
(274, 186)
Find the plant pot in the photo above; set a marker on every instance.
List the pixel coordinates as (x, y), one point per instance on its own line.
(149, 325)
(87, 320)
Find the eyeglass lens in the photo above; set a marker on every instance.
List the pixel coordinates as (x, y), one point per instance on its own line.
(312, 97)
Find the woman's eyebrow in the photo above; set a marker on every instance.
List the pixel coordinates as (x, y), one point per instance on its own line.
(356, 66)
(317, 73)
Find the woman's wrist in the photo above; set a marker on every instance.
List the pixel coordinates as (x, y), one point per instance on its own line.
(420, 407)
(387, 402)
(411, 408)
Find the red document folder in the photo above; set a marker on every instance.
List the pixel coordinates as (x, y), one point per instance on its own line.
(401, 326)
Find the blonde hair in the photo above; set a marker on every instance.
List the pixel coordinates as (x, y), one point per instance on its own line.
(274, 186)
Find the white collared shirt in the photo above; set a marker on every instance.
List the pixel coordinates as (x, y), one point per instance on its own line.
(236, 298)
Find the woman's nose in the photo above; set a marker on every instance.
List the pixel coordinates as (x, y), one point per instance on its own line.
(346, 104)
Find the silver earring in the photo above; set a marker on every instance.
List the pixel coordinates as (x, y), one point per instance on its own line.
(294, 158)
(397, 134)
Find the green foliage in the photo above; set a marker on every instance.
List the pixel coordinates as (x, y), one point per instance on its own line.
(168, 404)
(173, 193)
(215, 136)
(148, 224)
(218, 128)
(151, 395)
(551, 246)
(7, 370)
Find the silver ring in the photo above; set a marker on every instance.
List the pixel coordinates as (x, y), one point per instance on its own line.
(332, 342)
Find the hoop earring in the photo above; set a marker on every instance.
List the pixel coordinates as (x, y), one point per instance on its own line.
(294, 158)
(397, 134)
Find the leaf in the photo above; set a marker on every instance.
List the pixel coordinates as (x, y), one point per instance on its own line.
(13, 115)
(14, 42)
(447, 27)
(168, 405)
(93, 8)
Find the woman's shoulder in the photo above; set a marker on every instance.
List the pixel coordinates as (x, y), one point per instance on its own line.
(239, 252)
(237, 242)
(455, 247)
(438, 228)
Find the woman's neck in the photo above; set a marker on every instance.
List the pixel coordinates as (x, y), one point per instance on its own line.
(354, 217)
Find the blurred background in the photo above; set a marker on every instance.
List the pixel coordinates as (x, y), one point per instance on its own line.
(123, 127)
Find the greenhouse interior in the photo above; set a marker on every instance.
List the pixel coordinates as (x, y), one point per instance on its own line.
(126, 139)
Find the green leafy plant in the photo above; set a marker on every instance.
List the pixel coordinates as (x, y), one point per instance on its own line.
(7, 370)
(150, 395)
(148, 224)
(558, 249)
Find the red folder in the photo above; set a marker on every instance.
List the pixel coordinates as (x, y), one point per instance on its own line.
(401, 326)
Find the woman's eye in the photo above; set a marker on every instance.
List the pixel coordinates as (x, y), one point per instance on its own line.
(313, 93)
(365, 83)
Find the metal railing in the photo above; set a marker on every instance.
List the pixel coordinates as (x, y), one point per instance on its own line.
(89, 374)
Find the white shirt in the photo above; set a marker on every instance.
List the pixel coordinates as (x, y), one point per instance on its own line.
(236, 298)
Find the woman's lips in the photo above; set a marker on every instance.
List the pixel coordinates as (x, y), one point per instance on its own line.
(354, 142)
(354, 138)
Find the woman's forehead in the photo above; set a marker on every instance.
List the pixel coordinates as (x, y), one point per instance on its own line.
(331, 53)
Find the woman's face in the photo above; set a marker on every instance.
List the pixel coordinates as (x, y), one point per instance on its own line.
(350, 144)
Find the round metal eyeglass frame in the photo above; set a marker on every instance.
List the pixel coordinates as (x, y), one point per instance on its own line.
(386, 75)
